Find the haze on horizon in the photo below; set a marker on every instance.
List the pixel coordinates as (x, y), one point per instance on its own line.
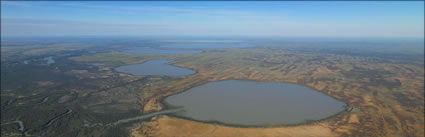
(343, 19)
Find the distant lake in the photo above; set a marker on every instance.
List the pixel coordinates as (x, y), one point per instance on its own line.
(154, 67)
(254, 103)
(202, 45)
(49, 60)
(149, 50)
(96, 64)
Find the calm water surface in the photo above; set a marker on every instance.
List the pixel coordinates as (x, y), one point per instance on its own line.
(207, 45)
(154, 67)
(96, 64)
(149, 50)
(49, 60)
(253, 103)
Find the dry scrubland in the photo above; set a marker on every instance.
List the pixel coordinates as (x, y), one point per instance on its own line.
(384, 96)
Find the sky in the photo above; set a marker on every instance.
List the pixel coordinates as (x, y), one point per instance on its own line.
(239, 18)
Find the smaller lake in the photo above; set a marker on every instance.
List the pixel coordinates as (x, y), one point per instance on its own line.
(149, 50)
(207, 45)
(155, 67)
(49, 60)
(253, 103)
(96, 64)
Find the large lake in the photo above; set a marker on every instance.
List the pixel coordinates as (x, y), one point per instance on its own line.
(254, 104)
(154, 67)
(207, 45)
(149, 50)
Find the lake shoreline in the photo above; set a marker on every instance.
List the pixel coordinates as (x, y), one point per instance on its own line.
(165, 106)
(193, 72)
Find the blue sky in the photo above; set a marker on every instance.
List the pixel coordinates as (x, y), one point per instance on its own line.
(323, 18)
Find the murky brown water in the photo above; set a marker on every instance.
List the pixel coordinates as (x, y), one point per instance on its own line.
(253, 103)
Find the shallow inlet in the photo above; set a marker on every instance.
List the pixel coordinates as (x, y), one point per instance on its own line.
(154, 67)
(149, 50)
(251, 103)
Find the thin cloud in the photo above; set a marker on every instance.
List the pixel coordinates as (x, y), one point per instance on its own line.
(16, 4)
(15, 26)
(196, 11)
